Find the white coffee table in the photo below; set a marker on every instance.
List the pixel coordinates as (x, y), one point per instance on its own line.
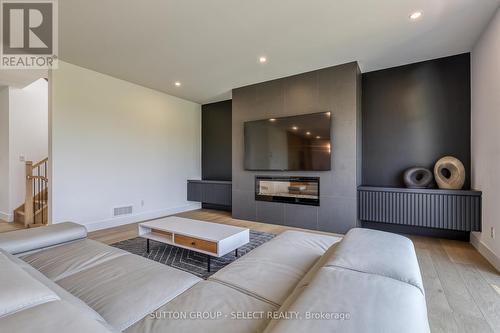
(212, 239)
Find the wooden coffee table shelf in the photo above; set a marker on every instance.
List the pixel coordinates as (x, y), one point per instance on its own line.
(212, 239)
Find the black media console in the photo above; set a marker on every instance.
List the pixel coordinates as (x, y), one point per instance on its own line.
(212, 193)
(455, 210)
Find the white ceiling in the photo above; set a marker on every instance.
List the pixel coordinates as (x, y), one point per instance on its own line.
(213, 46)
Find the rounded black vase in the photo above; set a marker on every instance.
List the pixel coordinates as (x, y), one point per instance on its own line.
(418, 177)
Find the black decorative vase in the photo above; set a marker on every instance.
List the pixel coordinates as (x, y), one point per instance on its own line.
(418, 178)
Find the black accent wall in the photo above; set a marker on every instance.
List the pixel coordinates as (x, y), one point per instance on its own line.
(413, 115)
(216, 138)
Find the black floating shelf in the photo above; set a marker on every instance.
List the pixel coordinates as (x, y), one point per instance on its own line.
(430, 208)
(214, 192)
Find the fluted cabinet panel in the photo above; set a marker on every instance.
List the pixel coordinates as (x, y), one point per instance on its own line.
(441, 209)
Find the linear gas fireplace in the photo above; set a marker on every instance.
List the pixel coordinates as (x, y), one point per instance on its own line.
(293, 190)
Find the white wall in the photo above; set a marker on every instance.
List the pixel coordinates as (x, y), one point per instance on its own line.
(29, 135)
(486, 136)
(114, 143)
(4, 154)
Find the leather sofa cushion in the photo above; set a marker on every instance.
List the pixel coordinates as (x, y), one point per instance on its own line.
(61, 261)
(59, 291)
(207, 298)
(20, 241)
(378, 252)
(304, 282)
(366, 302)
(52, 317)
(125, 289)
(272, 270)
(20, 290)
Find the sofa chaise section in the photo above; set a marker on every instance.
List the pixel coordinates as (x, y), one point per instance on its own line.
(128, 288)
(121, 287)
(59, 262)
(28, 305)
(58, 290)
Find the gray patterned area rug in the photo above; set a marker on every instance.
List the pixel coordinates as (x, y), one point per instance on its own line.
(186, 260)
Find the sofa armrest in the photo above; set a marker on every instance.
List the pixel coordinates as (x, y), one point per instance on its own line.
(20, 241)
(380, 253)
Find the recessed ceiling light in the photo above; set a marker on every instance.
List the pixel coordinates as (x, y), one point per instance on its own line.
(177, 84)
(308, 133)
(272, 120)
(318, 137)
(262, 60)
(295, 128)
(416, 15)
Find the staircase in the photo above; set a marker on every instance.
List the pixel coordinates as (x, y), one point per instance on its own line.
(34, 211)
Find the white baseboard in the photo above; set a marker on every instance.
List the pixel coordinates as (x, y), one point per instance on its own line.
(6, 217)
(118, 221)
(485, 251)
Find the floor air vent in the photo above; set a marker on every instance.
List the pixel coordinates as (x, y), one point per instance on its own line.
(119, 211)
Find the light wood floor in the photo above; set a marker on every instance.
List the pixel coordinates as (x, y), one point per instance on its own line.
(5, 227)
(462, 288)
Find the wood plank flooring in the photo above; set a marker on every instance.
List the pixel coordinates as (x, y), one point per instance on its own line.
(5, 226)
(462, 288)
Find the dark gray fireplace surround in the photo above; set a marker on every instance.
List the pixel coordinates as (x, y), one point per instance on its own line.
(335, 89)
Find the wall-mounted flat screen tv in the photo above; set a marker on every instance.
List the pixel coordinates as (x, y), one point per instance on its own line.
(297, 143)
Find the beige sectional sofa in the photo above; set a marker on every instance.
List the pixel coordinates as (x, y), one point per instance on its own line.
(57, 280)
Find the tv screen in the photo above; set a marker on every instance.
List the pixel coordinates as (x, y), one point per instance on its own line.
(297, 143)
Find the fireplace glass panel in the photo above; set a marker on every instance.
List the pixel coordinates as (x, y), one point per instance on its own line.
(298, 190)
